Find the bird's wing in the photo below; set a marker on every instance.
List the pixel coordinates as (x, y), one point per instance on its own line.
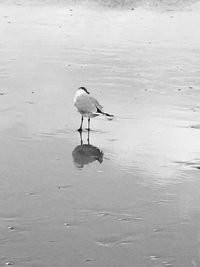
(96, 103)
(85, 104)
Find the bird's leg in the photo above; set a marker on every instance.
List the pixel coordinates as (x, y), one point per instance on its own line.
(88, 138)
(81, 138)
(88, 123)
(80, 129)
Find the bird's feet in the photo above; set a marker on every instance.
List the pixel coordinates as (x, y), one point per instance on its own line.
(80, 130)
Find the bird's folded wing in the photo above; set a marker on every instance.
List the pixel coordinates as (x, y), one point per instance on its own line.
(96, 103)
(87, 104)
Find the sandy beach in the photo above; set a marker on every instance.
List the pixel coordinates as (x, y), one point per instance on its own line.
(130, 196)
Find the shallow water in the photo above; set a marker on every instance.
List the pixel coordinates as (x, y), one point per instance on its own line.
(130, 195)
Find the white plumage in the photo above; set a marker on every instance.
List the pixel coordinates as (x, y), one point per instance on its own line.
(87, 106)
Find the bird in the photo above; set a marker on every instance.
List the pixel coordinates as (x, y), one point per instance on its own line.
(87, 106)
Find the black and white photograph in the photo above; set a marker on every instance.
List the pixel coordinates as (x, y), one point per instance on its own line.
(100, 133)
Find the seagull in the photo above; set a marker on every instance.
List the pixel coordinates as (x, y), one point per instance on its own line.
(87, 106)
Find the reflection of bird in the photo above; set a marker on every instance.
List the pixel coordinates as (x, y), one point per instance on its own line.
(85, 153)
(88, 106)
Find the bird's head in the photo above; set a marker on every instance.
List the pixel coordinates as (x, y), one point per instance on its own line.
(84, 89)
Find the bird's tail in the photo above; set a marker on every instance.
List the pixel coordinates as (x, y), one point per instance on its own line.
(104, 113)
(107, 115)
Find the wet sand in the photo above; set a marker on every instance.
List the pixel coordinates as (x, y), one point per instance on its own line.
(128, 197)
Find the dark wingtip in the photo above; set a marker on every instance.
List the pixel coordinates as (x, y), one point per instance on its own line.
(109, 115)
